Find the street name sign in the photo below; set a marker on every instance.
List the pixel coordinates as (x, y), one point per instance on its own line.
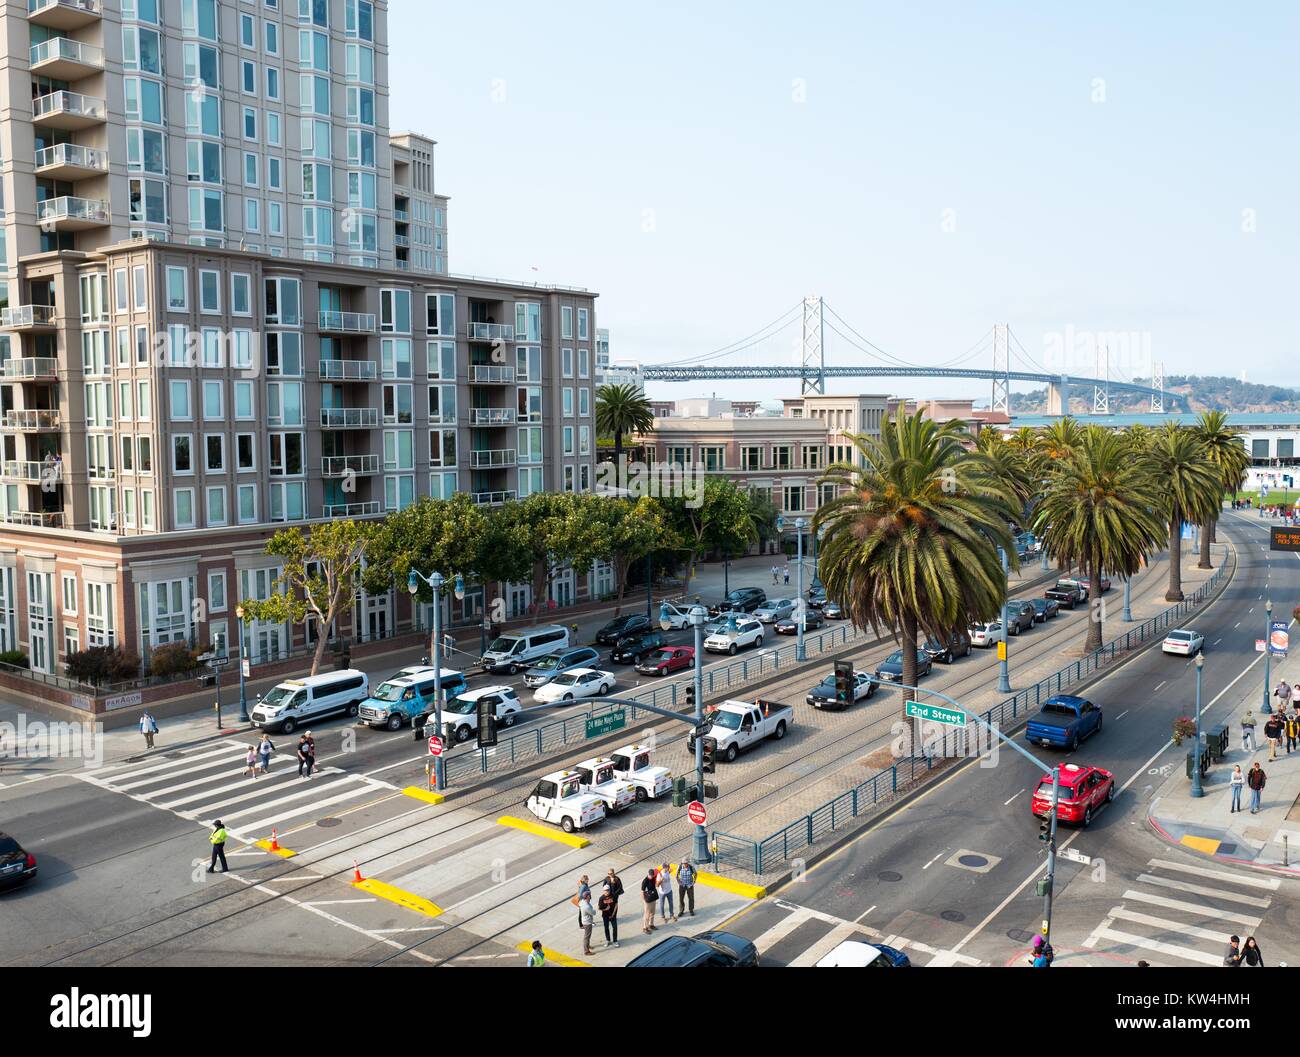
(953, 717)
(607, 724)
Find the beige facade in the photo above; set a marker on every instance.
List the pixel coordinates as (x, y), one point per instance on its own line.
(843, 416)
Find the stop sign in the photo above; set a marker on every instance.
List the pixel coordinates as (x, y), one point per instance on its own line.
(696, 813)
(435, 746)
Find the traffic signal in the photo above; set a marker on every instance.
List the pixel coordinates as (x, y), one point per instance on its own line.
(487, 722)
(843, 682)
(679, 792)
(1045, 828)
(690, 695)
(710, 755)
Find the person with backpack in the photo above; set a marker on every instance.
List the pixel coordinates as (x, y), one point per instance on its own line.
(1042, 955)
(608, 906)
(304, 759)
(264, 750)
(685, 886)
(1255, 780)
(649, 896)
(1232, 956)
(148, 727)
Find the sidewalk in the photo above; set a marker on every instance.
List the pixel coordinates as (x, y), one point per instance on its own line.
(1269, 840)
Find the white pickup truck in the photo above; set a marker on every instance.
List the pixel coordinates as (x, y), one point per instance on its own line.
(632, 764)
(599, 779)
(736, 725)
(558, 798)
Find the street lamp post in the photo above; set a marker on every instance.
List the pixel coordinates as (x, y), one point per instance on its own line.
(1267, 709)
(1128, 610)
(1197, 790)
(800, 654)
(413, 585)
(243, 699)
(1004, 663)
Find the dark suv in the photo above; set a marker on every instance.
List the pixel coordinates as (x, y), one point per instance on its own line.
(621, 627)
(633, 649)
(957, 646)
(741, 600)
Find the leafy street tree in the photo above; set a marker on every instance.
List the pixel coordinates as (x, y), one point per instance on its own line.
(318, 579)
(721, 521)
(626, 532)
(547, 531)
(622, 409)
(911, 543)
(1186, 486)
(1222, 446)
(1096, 512)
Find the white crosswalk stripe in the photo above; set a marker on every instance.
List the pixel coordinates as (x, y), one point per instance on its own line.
(1190, 928)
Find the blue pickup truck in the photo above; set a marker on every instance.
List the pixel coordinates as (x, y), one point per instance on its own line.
(1064, 721)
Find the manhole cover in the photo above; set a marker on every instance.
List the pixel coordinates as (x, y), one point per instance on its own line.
(953, 915)
(889, 875)
(173, 756)
(326, 823)
(1019, 935)
(973, 861)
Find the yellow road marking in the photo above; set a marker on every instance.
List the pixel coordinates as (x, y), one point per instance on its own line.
(396, 895)
(1204, 844)
(555, 957)
(739, 888)
(571, 839)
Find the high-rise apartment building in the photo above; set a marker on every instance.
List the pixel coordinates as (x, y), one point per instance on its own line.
(229, 310)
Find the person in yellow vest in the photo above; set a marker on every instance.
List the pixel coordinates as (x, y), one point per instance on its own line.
(536, 958)
(218, 842)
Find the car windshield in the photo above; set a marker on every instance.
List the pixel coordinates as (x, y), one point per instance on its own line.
(390, 691)
(504, 645)
(281, 695)
(462, 706)
(727, 720)
(547, 664)
(827, 684)
(7, 845)
(566, 679)
(663, 655)
(895, 658)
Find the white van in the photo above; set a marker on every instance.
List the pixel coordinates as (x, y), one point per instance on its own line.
(293, 702)
(516, 650)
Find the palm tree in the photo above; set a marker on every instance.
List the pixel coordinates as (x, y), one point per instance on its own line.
(911, 537)
(1095, 512)
(620, 409)
(1188, 488)
(1059, 440)
(1136, 436)
(1010, 466)
(1223, 448)
(1024, 440)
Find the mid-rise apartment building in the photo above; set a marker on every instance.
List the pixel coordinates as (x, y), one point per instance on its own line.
(844, 417)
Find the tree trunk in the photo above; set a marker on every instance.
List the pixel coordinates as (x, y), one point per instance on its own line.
(323, 630)
(1096, 609)
(909, 655)
(541, 581)
(1175, 592)
(621, 568)
(1207, 533)
(618, 458)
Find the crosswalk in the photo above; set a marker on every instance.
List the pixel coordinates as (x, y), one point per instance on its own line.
(209, 782)
(1180, 914)
(787, 934)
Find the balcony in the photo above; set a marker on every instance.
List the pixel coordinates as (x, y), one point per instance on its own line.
(32, 421)
(349, 465)
(490, 331)
(401, 240)
(486, 459)
(68, 110)
(32, 472)
(63, 14)
(35, 518)
(72, 214)
(65, 59)
(402, 216)
(403, 265)
(348, 370)
(30, 369)
(349, 417)
(494, 498)
(337, 510)
(492, 416)
(69, 161)
(347, 322)
(28, 317)
(481, 374)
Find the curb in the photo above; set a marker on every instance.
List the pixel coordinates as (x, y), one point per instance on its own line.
(1270, 868)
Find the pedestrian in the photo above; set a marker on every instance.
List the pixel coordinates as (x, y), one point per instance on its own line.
(1248, 731)
(583, 892)
(148, 727)
(786, 574)
(608, 915)
(218, 841)
(311, 753)
(264, 750)
(1237, 782)
(1251, 954)
(685, 886)
(666, 893)
(536, 959)
(1042, 955)
(1292, 722)
(1272, 730)
(586, 919)
(1232, 956)
(250, 762)
(649, 896)
(304, 759)
(1255, 779)
(774, 574)
(1284, 694)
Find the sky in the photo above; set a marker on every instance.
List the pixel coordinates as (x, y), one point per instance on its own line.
(1090, 174)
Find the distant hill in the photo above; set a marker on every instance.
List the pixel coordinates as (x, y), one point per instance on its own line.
(1203, 393)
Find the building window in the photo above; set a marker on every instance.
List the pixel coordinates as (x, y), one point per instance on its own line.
(177, 296)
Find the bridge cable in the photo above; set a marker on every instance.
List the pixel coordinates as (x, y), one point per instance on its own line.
(742, 343)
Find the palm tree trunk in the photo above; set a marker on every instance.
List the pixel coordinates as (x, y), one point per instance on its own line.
(909, 655)
(1175, 592)
(1096, 609)
(1207, 533)
(618, 454)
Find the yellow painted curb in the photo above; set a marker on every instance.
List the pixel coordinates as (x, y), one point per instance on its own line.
(571, 839)
(423, 794)
(555, 957)
(395, 895)
(281, 851)
(739, 888)
(1204, 844)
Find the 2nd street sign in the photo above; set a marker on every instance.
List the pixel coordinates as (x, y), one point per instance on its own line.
(954, 717)
(607, 724)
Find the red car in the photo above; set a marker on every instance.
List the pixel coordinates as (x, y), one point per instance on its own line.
(1083, 792)
(668, 659)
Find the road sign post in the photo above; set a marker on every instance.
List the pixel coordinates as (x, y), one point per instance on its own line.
(435, 746)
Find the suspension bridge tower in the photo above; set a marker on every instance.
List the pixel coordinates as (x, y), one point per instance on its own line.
(814, 347)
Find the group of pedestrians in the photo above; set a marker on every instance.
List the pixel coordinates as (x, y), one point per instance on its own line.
(1237, 955)
(1255, 779)
(778, 573)
(306, 753)
(258, 759)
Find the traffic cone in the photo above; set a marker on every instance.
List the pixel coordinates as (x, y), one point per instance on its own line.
(275, 843)
(356, 873)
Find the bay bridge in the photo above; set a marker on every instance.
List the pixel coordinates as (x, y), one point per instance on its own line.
(1010, 362)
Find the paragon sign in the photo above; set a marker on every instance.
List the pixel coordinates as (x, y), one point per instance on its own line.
(1284, 539)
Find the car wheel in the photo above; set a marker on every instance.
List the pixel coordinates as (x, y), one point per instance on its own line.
(462, 734)
(1087, 816)
(641, 795)
(353, 709)
(394, 722)
(732, 649)
(732, 752)
(780, 730)
(288, 727)
(758, 642)
(1110, 795)
(605, 689)
(566, 824)
(513, 669)
(1074, 742)
(508, 720)
(568, 697)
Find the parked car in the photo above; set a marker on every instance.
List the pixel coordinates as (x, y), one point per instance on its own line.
(1183, 642)
(958, 645)
(548, 667)
(985, 635)
(1045, 609)
(817, 597)
(668, 659)
(675, 615)
(747, 633)
(17, 864)
(1068, 593)
(741, 600)
(578, 682)
(719, 950)
(812, 620)
(1084, 791)
(408, 698)
(1064, 721)
(460, 714)
(853, 954)
(516, 651)
(891, 668)
(832, 611)
(558, 798)
(737, 725)
(633, 649)
(632, 764)
(824, 696)
(599, 779)
(774, 609)
(621, 627)
(1020, 617)
(295, 701)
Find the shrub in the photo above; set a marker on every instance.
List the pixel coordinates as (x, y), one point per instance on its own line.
(16, 658)
(103, 663)
(174, 658)
(1184, 727)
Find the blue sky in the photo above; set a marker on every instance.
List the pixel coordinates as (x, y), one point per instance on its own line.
(930, 169)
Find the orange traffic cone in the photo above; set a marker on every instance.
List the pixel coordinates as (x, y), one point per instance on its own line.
(275, 843)
(356, 873)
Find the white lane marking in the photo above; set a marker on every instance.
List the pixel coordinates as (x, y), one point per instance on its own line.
(1216, 642)
(1194, 908)
(869, 909)
(1173, 949)
(933, 861)
(1123, 714)
(824, 946)
(1013, 796)
(781, 929)
(1236, 625)
(224, 750)
(264, 824)
(338, 902)
(1204, 890)
(1272, 884)
(1159, 685)
(1177, 927)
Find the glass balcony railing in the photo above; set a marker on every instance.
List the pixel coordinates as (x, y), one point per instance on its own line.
(73, 212)
(492, 416)
(337, 510)
(68, 109)
(484, 459)
(30, 368)
(349, 417)
(348, 370)
(29, 420)
(347, 322)
(490, 332)
(35, 518)
(32, 472)
(343, 465)
(494, 498)
(21, 316)
(71, 156)
(487, 374)
(63, 55)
